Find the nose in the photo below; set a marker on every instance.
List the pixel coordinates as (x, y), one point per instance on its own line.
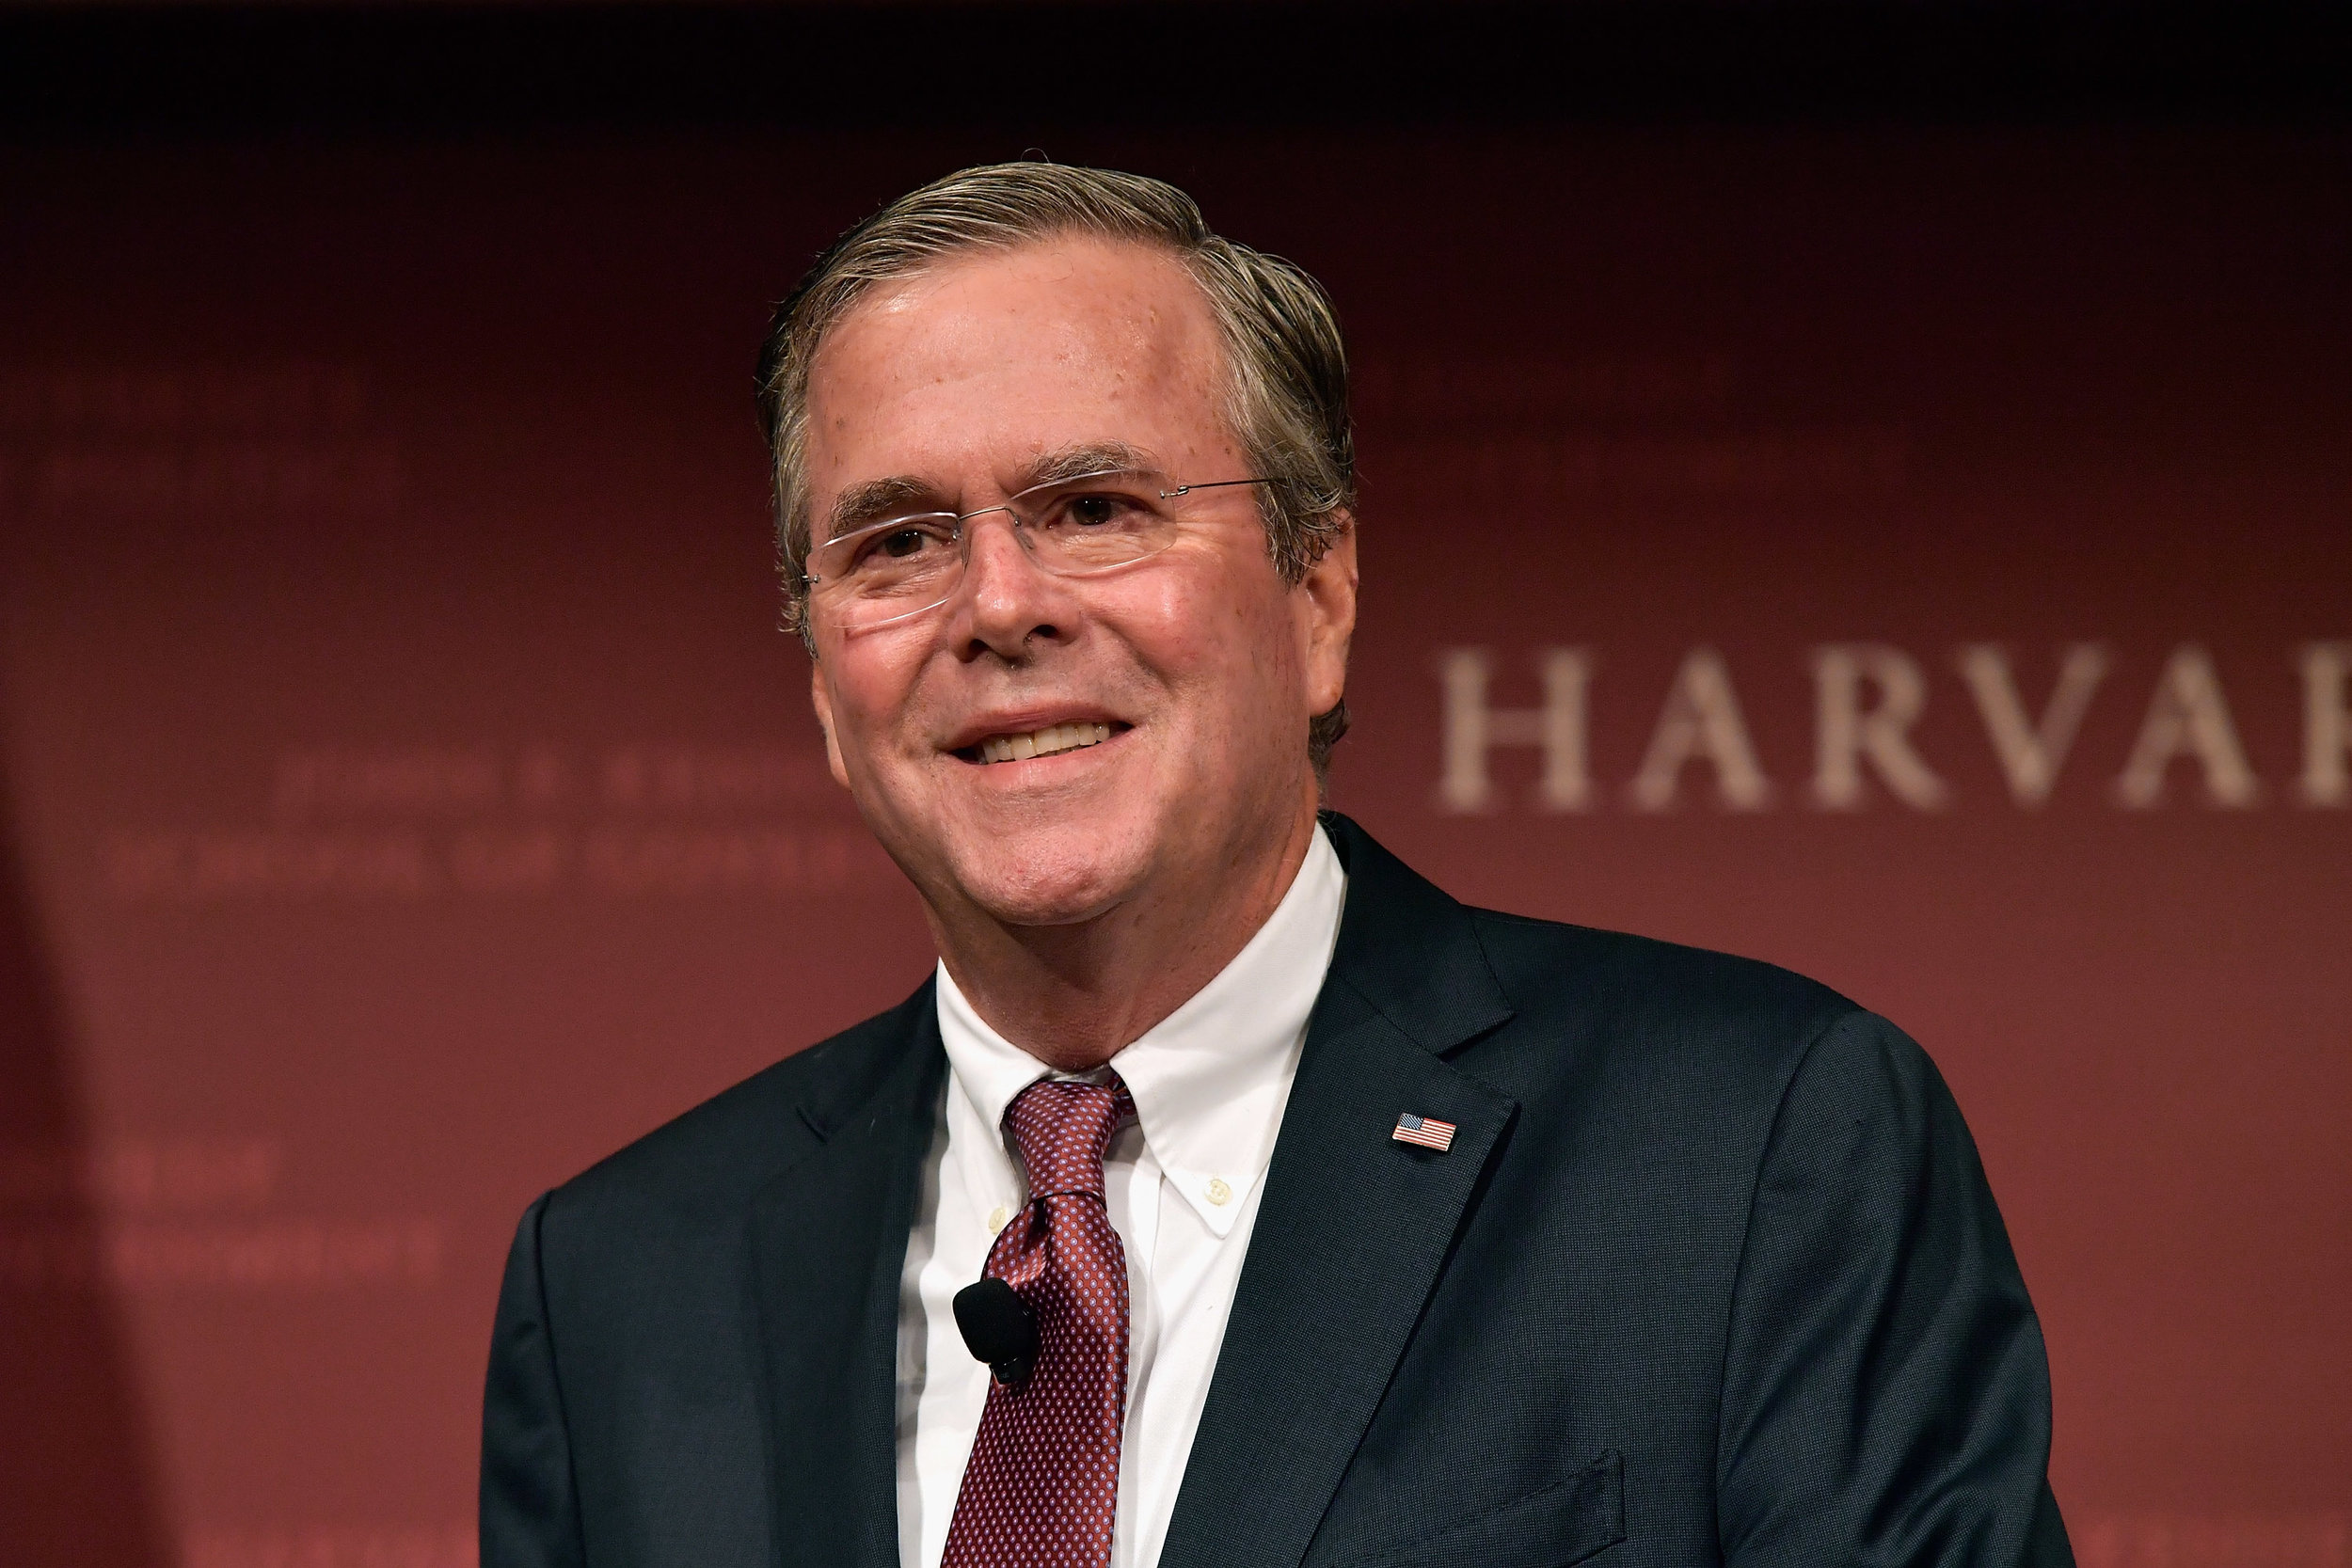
(1007, 603)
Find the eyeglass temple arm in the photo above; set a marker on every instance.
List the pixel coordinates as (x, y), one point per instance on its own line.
(1214, 484)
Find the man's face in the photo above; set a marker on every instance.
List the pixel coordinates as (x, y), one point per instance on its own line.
(958, 386)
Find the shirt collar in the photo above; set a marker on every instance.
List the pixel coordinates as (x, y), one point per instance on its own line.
(1210, 1080)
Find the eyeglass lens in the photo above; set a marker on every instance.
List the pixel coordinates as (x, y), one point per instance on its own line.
(906, 564)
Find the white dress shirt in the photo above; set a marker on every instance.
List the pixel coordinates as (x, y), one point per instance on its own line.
(1182, 1182)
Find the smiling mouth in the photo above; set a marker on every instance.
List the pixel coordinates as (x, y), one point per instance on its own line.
(1050, 741)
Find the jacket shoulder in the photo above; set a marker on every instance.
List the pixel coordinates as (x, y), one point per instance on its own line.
(1656, 997)
(724, 1149)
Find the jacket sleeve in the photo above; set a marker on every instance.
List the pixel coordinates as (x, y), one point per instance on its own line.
(1886, 1397)
(530, 1511)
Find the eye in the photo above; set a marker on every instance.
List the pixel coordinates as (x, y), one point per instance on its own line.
(1095, 511)
(1085, 511)
(906, 541)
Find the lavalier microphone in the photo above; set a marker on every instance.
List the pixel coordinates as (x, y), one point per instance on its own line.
(998, 1328)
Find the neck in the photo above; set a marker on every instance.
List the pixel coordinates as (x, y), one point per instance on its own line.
(1074, 996)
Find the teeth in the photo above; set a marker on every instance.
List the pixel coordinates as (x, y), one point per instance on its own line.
(1043, 743)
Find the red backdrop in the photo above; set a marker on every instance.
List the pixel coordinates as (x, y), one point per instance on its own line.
(408, 800)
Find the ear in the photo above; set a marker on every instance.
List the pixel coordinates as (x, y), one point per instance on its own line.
(1326, 599)
(821, 700)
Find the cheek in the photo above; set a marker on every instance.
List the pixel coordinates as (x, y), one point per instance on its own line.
(1228, 647)
(870, 692)
(1189, 626)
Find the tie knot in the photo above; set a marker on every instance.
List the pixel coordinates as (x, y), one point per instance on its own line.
(1061, 1127)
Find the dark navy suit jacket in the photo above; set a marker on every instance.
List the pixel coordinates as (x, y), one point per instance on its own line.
(1710, 1274)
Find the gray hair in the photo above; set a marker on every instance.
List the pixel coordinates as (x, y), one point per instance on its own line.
(1286, 398)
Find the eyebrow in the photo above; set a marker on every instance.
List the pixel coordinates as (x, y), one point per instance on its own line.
(1086, 457)
(874, 501)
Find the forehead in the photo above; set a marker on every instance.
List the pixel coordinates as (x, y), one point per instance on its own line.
(991, 358)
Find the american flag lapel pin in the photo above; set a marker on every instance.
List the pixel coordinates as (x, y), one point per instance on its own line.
(1428, 1131)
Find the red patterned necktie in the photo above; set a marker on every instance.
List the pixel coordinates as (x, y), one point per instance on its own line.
(1041, 1487)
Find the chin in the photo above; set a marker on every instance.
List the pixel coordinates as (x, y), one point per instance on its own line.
(1059, 873)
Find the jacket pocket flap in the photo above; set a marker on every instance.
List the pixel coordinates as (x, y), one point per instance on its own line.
(1562, 1523)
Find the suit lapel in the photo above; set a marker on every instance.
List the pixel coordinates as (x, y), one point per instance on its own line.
(1354, 1228)
(828, 1240)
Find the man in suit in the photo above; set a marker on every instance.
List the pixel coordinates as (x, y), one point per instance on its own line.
(1229, 1194)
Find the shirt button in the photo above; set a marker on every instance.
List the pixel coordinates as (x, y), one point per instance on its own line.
(997, 1218)
(1219, 1193)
